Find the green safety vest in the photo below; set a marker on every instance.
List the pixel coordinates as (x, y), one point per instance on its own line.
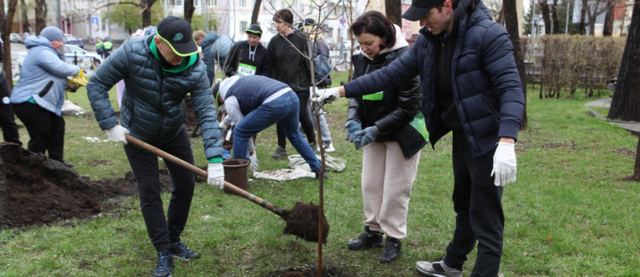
(108, 45)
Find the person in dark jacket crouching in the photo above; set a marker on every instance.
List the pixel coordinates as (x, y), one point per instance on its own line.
(471, 88)
(392, 144)
(256, 102)
(159, 71)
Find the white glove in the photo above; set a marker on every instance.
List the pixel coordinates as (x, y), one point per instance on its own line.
(223, 125)
(254, 162)
(215, 173)
(327, 95)
(504, 164)
(116, 134)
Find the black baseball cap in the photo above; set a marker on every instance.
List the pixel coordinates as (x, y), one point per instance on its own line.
(254, 29)
(177, 33)
(420, 8)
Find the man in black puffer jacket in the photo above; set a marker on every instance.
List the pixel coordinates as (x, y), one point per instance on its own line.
(159, 71)
(471, 87)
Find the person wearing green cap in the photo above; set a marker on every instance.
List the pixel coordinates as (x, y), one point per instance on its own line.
(159, 71)
(249, 57)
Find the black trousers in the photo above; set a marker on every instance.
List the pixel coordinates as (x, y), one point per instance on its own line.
(478, 205)
(7, 117)
(305, 121)
(163, 230)
(45, 128)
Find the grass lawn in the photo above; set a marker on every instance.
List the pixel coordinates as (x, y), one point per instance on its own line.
(568, 214)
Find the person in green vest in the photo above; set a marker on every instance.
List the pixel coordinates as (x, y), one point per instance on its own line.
(107, 46)
(99, 46)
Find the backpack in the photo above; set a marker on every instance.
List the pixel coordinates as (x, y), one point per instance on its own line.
(323, 68)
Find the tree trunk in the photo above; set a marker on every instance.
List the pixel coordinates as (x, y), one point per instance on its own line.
(25, 17)
(511, 21)
(636, 167)
(583, 17)
(6, 22)
(256, 12)
(544, 9)
(626, 98)
(607, 29)
(40, 16)
(554, 17)
(146, 13)
(188, 10)
(393, 9)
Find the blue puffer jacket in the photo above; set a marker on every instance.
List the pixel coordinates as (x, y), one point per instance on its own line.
(215, 48)
(153, 101)
(486, 86)
(43, 76)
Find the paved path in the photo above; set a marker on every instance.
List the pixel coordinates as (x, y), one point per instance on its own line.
(634, 127)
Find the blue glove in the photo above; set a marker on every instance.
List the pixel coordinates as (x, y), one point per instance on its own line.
(352, 127)
(368, 135)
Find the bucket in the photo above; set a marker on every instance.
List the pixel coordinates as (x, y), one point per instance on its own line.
(235, 172)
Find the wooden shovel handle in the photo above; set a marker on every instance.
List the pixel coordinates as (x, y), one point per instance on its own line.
(173, 159)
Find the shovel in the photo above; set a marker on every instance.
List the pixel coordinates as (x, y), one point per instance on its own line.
(302, 220)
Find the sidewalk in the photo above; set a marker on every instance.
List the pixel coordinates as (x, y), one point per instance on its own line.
(634, 127)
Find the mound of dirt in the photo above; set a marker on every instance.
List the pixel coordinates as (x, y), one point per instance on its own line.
(312, 272)
(35, 190)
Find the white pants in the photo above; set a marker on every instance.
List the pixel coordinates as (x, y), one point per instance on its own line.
(387, 178)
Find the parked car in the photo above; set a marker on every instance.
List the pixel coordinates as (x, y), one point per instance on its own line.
(13, 37)
(70, 39)
(72, 55)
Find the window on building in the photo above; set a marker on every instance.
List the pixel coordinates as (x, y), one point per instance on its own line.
(243, 25)
(243, 4)
(212, 3)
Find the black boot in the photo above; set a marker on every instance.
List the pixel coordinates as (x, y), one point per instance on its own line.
(392, 248)
(368, 239)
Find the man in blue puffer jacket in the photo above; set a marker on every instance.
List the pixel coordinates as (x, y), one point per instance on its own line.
(215, 49)
(38, 97)
(159, 70)
(471, 87)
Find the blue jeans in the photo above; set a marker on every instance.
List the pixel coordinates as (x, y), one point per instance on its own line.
(283, 110)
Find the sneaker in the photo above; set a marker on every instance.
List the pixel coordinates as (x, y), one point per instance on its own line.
(181, 251)
(368, 239)
(324, 174)
(437, 269)
(280, 153)
(328, 147)
(165, 264)
(225, 154)
(392, 250)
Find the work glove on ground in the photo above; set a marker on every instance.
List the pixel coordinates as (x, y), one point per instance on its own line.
(215, 175)
(504, 164)
(327, 95)
(352, 127)
(254, 161)
(117, 134)
(368, 135)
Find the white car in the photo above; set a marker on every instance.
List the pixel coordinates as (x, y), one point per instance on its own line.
(73, 55)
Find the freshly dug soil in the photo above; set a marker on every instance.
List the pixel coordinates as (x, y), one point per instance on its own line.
(312, 272)
(35, 190)
(302, 222)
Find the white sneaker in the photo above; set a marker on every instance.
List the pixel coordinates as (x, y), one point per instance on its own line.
(437, 269)
(329, 147)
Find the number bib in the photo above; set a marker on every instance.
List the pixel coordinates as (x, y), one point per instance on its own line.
(246, 70)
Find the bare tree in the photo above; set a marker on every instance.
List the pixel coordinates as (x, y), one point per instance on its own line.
(256, 11)
(188, 10)
(607, 29)
(393, 11)
(41, 8)
(6, 21)
(554, 17)
(146, 12)
(511, 24)
(25, 18)
(544, 9)
(583, 18)
(626, 98)
(593, 8)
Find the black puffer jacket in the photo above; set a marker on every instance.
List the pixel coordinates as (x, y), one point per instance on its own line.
(390, 110)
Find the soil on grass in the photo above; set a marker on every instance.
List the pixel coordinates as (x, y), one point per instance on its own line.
(35, 190)
(312, 272)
